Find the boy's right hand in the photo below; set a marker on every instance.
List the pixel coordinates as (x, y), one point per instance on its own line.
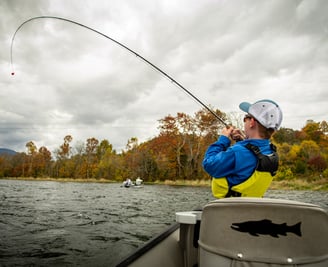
(237, 135)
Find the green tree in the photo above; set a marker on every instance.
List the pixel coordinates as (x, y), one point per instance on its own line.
(285, 135)
(91, 156)
(31, 152)
(312, 131)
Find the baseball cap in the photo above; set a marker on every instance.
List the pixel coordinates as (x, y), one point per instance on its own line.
(266, 112)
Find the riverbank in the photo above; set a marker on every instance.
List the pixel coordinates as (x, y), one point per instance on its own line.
(294, 184)
(300, 184)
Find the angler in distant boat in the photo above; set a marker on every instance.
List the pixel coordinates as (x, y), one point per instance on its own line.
(138, 182)
(267, 227)
(127, 183)
(245, 169)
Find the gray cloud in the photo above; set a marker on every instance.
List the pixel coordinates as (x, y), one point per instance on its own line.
(72, 81)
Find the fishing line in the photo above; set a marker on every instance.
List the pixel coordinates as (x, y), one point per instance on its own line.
(121, 45)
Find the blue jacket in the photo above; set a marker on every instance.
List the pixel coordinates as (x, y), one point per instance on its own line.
(236, 163)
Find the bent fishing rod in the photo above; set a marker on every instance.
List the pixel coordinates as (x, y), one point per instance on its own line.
(121, 45)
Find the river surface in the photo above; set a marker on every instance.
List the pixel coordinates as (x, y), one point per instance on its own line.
(45, 223)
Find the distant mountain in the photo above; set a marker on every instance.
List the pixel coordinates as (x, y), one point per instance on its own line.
(6, 151)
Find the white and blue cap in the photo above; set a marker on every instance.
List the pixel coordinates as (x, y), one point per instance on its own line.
(265, 111)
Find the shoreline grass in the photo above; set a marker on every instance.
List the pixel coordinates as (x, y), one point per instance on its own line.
(294, 184)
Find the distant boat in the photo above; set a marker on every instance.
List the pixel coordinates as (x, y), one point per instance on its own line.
(128, 183)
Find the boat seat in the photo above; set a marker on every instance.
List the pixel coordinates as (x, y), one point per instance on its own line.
(260, 232)
(189, 232)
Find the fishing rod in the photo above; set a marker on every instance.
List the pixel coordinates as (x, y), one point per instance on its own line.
(121, 45)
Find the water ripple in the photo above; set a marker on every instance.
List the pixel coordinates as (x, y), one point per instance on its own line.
(87, 224)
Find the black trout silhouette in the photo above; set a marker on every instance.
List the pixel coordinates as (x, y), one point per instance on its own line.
(267, 227)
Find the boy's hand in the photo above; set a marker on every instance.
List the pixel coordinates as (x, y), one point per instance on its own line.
(237, 135)
(227, 131)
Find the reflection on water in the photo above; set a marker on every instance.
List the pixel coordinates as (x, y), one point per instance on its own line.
(91, 224)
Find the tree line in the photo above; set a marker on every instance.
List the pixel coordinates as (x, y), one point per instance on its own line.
(176, 153)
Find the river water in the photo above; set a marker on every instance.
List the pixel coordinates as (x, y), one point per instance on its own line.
(44, 223)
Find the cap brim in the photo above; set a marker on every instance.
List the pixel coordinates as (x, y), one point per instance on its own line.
(244, 106)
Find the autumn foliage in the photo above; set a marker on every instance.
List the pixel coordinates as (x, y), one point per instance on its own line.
(175, 154)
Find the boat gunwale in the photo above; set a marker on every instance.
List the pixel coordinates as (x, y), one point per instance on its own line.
(148, 245)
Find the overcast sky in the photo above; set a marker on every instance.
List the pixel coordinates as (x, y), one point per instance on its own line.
(69, 80)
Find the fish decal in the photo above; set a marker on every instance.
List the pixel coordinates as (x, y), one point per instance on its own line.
(267, 227)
